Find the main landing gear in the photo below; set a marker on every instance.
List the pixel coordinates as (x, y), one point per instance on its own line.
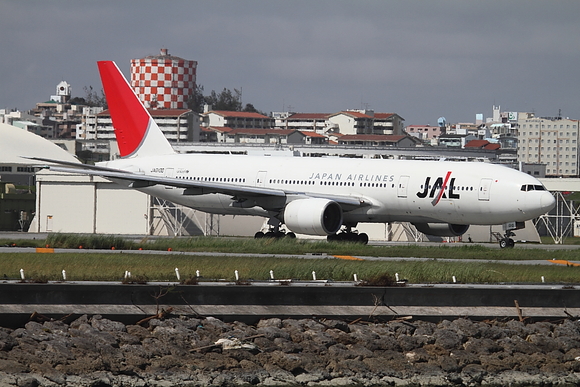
(347, 235)
(274, 234)
(274, 231)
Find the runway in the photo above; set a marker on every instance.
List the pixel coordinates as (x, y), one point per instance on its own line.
(299, 256)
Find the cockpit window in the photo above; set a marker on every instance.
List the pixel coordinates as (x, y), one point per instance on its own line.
(532, 187)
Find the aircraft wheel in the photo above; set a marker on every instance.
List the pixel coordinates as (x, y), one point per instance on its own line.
(332, 238)
(363, 238)
(291, 235)
(259, 235)
(506, 243)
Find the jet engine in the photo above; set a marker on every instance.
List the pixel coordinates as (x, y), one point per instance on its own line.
(313, 216)
(442, 229)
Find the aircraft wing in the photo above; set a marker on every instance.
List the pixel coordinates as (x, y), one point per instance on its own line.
(196, 187)
(78, 165)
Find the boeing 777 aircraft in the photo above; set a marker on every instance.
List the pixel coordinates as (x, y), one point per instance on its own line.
(314, 196)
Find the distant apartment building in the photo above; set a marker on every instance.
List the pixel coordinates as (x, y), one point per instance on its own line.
(88, 128)
(174, 123)
(388, 123)
(57, 118)
(98, 134)
(344, 122)
(367, 122)
(253, 136)
(382, 140)
(236, 120)
(263, 136)
(552, 141)
(312, 122)
(425, 132)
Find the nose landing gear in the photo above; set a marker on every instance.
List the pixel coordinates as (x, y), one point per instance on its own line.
(507, 241)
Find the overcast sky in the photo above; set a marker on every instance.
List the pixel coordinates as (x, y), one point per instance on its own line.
(420, 59)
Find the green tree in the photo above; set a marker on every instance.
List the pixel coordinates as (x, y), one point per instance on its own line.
(197, 100)
(226, 100)
(93, 99)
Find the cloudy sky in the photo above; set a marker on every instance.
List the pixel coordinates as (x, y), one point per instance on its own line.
(420, 59)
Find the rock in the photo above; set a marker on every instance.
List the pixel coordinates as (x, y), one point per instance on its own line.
(100, 352)
(337, 324)
(272, 322)
(492, 332)
(271, 332)
(544, 342)
(12, 366)
(408, 343)
(28, 381)
(7, 342)
(424, 328)
(473, 374)
(482, 346)
(448, 339)
(464, 358)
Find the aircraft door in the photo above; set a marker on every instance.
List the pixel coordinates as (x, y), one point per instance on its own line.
(169, 172)
(261, 178)
(402, 187)
(484, 188)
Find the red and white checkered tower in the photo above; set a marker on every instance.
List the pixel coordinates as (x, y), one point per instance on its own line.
(163, 81)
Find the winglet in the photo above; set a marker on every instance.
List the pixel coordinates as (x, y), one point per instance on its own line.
(137, 134)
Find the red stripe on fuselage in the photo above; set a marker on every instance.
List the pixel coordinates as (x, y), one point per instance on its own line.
(130, 119)
(442, 190)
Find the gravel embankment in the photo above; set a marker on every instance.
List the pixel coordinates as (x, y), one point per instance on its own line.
(181, 352)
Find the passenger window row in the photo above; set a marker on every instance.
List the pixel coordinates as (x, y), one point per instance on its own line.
(455, 188)
(294, 182)
(215, 179)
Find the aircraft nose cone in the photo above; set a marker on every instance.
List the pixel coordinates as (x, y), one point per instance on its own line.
(547, 201)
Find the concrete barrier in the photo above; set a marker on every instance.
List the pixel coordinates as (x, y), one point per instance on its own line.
(253, 301)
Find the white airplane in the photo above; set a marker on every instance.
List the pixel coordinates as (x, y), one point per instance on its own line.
(313, 196)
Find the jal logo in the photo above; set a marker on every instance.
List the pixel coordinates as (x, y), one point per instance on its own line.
(442, 188)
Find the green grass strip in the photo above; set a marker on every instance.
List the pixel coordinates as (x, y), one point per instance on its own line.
(149, 267)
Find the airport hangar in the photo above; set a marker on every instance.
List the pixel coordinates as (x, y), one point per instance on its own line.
(70, 203)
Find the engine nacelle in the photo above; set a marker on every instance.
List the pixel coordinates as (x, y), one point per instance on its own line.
(313, 216)
(442, 229)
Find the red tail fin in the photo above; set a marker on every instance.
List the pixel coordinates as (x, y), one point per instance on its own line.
(132, 122)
